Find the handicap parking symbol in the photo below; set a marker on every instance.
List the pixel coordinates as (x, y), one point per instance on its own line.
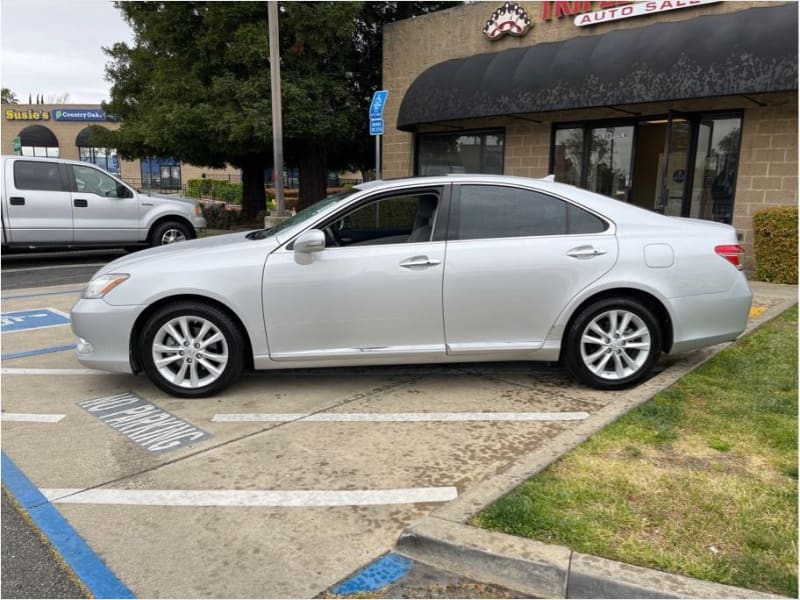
(23, 320)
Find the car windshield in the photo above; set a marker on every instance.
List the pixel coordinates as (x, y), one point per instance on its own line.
(304, 214)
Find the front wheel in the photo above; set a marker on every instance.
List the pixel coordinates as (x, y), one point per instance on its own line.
(169, 232)
(191, 350)
(613, 343)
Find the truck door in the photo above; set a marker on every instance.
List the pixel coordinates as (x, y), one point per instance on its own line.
(37, 206)
(104, 210)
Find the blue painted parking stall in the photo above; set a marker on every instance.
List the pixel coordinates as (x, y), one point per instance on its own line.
(37, 318)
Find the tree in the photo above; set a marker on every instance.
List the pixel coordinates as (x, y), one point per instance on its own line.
(195, 86)
(8, 97)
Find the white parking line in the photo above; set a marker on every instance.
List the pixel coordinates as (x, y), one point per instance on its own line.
(289, 498)
(398, 417)
(54, 372)
(31, 418)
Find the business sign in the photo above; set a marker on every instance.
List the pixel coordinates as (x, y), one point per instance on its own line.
(638, 9)
(79, 114)
(377, 104)
(144, 423)
(29, 114)
(376, 126)
(509, 19)
(23, 320)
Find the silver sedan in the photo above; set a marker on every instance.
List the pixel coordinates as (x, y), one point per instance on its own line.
(426, 270)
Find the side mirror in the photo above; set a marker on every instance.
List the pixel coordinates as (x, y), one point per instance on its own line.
(309, 241)
(123, 192)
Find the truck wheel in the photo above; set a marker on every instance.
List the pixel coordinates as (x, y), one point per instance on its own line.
(169, 232)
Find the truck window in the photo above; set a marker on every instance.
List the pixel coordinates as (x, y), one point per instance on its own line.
(29, 175)
(92, 181)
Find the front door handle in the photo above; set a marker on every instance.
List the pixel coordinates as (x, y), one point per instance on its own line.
(419, 261)
(17, 201)
(80, 203)
(583, 252)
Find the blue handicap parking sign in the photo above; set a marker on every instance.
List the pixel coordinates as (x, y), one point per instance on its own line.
(31, 319)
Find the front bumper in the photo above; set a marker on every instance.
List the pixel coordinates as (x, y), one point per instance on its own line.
(104, 333)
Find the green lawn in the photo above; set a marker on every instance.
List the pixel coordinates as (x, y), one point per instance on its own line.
(701, 480)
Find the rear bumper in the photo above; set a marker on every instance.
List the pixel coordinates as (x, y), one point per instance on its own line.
(710, 319)
(104, 333)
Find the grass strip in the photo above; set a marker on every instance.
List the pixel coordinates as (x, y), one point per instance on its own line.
(700, 481)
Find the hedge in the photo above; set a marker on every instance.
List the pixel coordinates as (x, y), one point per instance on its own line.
(776, 244)
(217, 189)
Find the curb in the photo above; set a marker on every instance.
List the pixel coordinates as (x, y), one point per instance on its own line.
(547, 570)
(544, 570)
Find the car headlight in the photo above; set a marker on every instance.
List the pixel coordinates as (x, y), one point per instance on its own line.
(99, 287)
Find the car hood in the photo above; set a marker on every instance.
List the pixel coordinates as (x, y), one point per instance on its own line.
(192, 250)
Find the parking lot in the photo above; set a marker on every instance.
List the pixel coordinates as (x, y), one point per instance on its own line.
(280, 487)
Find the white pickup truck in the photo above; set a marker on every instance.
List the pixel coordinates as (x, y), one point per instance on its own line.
(51, 202)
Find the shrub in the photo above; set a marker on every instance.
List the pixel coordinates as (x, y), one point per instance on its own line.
(776, 244)
(216, 189)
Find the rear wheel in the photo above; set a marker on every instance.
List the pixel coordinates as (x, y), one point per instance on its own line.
(169, 232)
(613, 343)
(191, 350)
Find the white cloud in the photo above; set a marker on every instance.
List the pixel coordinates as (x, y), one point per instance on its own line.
(53, 47)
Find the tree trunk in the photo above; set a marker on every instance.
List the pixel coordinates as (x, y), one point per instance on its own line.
(313, 174)
(253, 194)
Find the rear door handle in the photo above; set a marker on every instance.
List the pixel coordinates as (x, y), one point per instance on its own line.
(585, 252)
(80, 203)
(419, 261)
(17, 201)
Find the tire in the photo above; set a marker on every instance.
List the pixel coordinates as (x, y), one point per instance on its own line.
(599, 359)
(169, 232)
(191, 350)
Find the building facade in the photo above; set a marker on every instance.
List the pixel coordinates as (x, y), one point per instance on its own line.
(63, 131)
(688, 108)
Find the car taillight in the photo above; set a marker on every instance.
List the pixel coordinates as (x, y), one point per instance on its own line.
(733, 253)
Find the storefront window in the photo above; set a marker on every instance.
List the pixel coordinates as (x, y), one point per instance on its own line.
(680, 164)
(478, 152)
(163, 174)
(610, 151)
(715, 169)
(105, 158)
(568, 156)
(38, 140)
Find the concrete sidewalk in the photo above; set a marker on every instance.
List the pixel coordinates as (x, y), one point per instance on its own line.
(444, 541)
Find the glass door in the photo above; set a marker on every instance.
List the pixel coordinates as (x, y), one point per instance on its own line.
(609, 161)
(672, 165)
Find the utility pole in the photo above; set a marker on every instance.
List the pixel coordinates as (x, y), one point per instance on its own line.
(277, 123)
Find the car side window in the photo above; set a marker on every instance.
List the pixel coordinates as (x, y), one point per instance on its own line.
(400, 219)
(91, 181)
(487, 211)
(43, 176)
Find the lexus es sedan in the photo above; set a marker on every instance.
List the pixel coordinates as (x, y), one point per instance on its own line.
(464, 268)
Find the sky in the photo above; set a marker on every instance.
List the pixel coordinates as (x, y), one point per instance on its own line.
(53, 47)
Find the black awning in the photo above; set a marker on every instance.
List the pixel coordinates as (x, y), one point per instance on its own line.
(38, 135)
(745, 52)
(82, 138)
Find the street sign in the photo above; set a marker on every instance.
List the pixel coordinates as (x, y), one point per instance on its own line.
(377, 104)
(376, 126)
(17, 145)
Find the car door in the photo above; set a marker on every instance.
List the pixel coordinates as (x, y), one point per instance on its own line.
(374, 295)
(104, 210)
(38, 209)
(515, 257)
